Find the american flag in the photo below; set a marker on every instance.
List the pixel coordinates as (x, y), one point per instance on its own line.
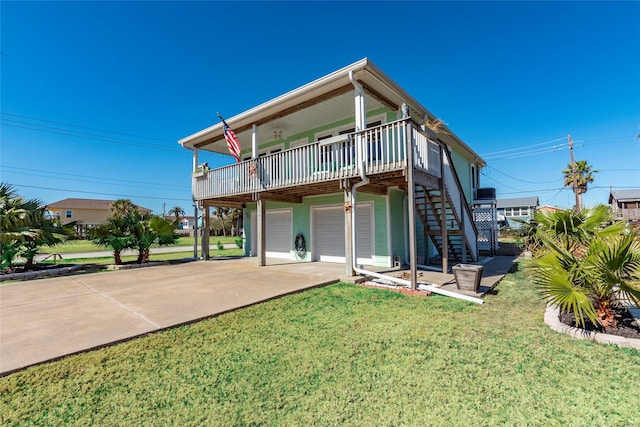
(232, 140)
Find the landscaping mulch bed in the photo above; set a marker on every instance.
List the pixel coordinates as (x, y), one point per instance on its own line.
(626, 325)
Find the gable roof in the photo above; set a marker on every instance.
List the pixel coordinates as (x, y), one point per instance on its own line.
(322, 101)
(94, 204)
(517, 202)
(624, 195)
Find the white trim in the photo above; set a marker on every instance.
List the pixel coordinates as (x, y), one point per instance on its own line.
(299, 142)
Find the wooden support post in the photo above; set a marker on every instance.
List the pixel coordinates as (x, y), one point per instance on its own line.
(261, 237)
(443, 214)
(463, 212)
(413, 248)
(206, 227)
(348, 224)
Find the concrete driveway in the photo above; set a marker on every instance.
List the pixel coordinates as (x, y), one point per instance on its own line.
(45, 319)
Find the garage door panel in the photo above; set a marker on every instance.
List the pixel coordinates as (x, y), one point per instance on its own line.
(329, 236)
(278, 233)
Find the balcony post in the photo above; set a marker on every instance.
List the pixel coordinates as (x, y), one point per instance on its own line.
(348, 224)
(254, 141)
(261, 223)
(411, 188)
(443, 214)
(205, 232)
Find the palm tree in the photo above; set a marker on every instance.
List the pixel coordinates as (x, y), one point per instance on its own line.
(589, 263)
(591, 284)
(114, 234)
(149, 229)
(176, 212)
(583, 176)
(24, 227)
(122, 208)
(221, 214)
(573, 230)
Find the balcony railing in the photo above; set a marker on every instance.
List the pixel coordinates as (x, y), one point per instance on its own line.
(383, 149)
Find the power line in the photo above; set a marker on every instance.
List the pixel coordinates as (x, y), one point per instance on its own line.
(99, 193)
(72, 133)
(518, 179)
(7, 169)
(520, 148)
(85, 127)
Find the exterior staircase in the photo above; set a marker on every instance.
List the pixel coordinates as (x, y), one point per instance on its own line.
(433, 205)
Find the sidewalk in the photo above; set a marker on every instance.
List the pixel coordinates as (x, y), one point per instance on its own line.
(160, 250)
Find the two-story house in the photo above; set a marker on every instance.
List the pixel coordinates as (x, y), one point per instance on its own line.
(349, 168)
(85, 213)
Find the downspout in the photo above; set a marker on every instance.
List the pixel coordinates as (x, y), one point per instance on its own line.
(361, 126)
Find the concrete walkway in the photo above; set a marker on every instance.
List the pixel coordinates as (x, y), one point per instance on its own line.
(45, 319)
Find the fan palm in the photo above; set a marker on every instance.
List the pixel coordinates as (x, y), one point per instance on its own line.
(149, 229)
(583, 174)
(176, 212)
(114, 234)
(122, 208)
(592, 283)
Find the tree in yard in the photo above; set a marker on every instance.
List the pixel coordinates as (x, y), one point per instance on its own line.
(115, 234)
(583, 174)
(122, 208)
(588, 267)
(149, 229)
(221, 214)
(24, 228)
(176, 212)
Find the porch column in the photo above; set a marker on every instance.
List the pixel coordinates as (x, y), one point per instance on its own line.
(254, 141)
(348, 224)
(443, 214)
(205, 233)
(261, 241)
(413, 247)
(195, 159)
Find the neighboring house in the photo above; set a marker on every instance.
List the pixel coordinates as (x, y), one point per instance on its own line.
(625, 204)
(550, 209)
(86, 213)
(346, 158)
(185, 225)
(521, 208)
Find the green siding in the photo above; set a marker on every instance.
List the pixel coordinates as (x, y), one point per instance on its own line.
(463, 169)
(302, 221)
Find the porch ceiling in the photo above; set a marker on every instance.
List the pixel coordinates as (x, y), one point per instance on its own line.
(285, 125)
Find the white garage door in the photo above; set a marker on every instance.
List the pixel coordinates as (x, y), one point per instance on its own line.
(328, 234)
(279, 239)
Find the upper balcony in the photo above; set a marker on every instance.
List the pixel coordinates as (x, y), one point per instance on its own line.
(318, 168)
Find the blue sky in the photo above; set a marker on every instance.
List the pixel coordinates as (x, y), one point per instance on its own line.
(95, 95)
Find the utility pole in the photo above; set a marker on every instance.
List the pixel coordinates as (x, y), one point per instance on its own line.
(575, 175)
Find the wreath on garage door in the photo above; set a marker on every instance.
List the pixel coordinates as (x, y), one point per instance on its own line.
(300, 245)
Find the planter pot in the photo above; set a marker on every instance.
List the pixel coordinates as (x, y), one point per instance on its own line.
(468, 276)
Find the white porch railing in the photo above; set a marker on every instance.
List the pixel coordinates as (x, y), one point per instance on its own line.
(383, 150)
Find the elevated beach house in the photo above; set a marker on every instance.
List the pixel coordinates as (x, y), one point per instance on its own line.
(349, 168)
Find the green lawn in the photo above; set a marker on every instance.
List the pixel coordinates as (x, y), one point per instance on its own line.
(73, 246)
(343, 355)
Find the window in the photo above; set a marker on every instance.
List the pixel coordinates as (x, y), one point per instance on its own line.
(68, 214)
